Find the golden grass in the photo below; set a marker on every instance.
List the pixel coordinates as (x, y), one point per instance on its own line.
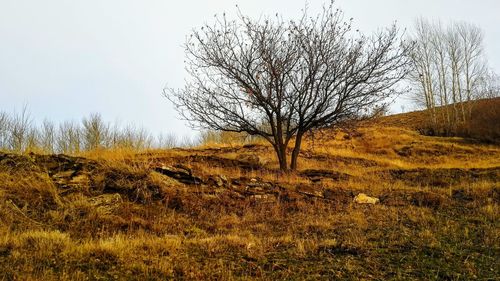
(132, 223)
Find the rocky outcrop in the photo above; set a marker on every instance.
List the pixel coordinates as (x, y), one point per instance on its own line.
(218, 181)
(181, 173)
(106, 203)
(108, 185)
(58, 163)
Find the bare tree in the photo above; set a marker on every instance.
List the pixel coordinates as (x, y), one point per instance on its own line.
(20, 127)
(19, 133)
(448, 69)
(130, 137)
(423, 58)
(279, 79)
(489, 85)
(167, 141)
(4, 130)
(95, 132)
(69, 138)
(474, 63)
(441, 69)
(47, 136)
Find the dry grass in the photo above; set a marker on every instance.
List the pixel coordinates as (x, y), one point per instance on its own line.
(115, 218)
(481, 125)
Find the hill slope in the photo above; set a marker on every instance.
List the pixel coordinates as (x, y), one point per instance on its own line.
(483, 124)
(227, 213)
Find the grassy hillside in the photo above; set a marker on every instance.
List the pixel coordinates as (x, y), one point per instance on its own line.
(226, 212)
(483, 124)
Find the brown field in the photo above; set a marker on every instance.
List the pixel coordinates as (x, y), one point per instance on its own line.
(224, 212)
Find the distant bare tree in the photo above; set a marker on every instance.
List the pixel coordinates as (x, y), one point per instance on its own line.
(448, 68)
(20, 127)
(167, 141)
(32, 140)
(47, 136)
(489, 85)
(69, 138)
(280, 79)
(423, 58)
(18, 133)
(131, 137)
(4, 130)
(95, 132)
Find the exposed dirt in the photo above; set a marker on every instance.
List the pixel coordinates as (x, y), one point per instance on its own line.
(419, 199)
(441, 177)
(417, 150)
(334, 160)
(316, 175)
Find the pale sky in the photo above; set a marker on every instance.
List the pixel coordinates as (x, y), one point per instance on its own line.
(66, 59)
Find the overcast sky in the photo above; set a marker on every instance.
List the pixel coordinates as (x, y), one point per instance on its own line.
(66, 59)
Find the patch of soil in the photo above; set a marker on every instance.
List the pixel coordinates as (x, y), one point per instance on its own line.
(339, 196)
(16, 162)
(340, 250)
(57, 163)
(461, 195)
(70, 174)
(335, 159)
(216, 161)
(428, 199)
(434, 150)
(136, 186)
(442, 177)
(419, 199)
(316, 175)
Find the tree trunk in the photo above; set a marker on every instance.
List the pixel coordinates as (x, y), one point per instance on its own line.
(296, 150)
(281, 154)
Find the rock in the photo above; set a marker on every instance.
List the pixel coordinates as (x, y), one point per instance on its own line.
(218, 181)
(310, 190)
(106, 203)
(15, 162)
(365, 199)
(57, 163)
(70, 182)
(105, 199)
(257, 187)
(62, 178)
(250, 145)
(251, 159)
(82, 180)
(224, 179)
(264, 198)
(317, 175)
(180, 173)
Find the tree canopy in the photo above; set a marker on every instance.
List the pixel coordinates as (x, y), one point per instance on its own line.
(279, 79)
